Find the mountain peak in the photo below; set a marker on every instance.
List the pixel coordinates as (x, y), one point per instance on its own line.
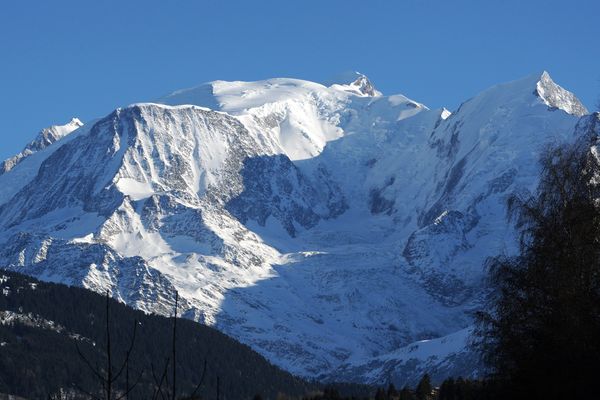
(533, 90)
(75, 122)
(49, 135)
(365, 86)
(555, 96)
(44, 138)
(354, 82)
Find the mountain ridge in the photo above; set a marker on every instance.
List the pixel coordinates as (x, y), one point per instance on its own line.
(321, 226)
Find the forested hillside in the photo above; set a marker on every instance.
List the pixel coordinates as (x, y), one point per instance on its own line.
(42, 324)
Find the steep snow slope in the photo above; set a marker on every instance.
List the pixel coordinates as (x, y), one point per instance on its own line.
(327, 227)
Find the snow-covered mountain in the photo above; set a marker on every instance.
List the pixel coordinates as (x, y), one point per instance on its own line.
(44, 138)
(339, 232)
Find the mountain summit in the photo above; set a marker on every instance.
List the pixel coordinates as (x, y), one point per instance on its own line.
(337, 231)
(555, 96)
(45, 138)
(356, 83)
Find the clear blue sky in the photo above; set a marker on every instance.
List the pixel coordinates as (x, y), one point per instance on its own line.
(83, 58)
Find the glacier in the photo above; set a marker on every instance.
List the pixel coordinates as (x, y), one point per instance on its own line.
(340, 232)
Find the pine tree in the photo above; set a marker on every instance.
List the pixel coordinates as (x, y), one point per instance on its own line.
(447, 390)
(460, 389)
(391, 391)
(331, 394)
(424, 389)
(406, 394)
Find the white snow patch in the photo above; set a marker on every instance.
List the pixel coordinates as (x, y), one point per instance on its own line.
(134, 189)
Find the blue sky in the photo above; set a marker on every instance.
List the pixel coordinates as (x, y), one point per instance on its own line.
(60, 59)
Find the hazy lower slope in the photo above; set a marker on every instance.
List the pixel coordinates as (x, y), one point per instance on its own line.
(327, 227)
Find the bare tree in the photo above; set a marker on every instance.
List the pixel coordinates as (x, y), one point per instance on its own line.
(108, 377)
(161, 382)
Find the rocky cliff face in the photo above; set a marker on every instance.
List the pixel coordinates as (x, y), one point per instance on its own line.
(339, 232)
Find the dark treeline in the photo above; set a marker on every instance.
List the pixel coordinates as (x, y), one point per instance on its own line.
(450, 389)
